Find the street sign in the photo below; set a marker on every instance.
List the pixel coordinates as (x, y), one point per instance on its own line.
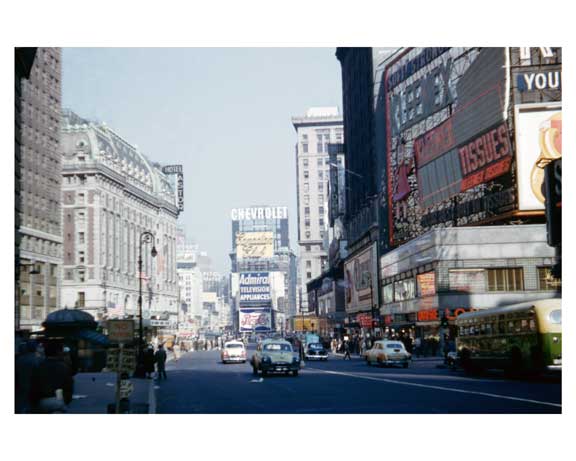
(120, 331)
(124, 364)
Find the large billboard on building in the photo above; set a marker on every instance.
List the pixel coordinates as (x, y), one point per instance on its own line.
(538, 141)
(254, 245)
(360, 275)
(255, 319)
(448, 144)
(254, 289)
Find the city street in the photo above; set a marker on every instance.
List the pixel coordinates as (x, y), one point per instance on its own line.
(199, 383)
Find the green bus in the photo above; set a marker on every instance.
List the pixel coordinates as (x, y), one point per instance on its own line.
(525, 337)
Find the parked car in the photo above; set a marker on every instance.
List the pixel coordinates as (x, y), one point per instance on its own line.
(233, 351)
(387, 352)
(275, 355)
(315, 351)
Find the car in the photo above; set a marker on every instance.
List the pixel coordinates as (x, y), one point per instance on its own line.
(233, 351)
(315, 351)
(275, 355)
(388, 352)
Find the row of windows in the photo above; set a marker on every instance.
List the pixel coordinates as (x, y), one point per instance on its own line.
(320, 187)
(323, 161)
(499, 327)
(307, 210)
(307, 199)
(472, 281)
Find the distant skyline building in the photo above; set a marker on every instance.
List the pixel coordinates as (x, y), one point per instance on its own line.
(111, 194)
(38, 188)
(317, 129)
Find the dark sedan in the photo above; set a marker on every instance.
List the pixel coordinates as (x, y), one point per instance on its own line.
(315, 351)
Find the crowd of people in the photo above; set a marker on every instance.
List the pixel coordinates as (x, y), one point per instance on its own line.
(44, 377)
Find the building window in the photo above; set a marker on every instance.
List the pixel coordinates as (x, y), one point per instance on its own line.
(307, 210)
(81, 276)
(506, 279)
(305, 163)
(320, 174)
(307, 222)
(81, 198)
(81, 299)
(320, 198)
(307, 247)
(305, 148)
(308, 234)
(306, 174)
(81, 257)
(308, 264)
(306, 187)
(322, 234)
(320, 146)
(308, 275)
(546, 281)
(81, 237)
(306, 200)
(321, 222)
(320, 162)
(321, 211)
(320, 187)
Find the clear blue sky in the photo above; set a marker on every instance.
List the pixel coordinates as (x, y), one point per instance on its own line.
(224, 113)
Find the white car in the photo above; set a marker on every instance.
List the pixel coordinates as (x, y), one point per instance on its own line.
(233, 351)
(387, 352)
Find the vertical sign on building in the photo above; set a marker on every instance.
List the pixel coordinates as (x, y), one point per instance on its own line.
(178, 171)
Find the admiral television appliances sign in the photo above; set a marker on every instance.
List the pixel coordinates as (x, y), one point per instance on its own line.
(254, 288)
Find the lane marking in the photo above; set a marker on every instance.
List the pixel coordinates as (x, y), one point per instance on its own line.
(441, 388)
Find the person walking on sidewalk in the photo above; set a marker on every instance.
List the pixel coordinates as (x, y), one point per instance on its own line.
(176, 352)
(347, 350)
(149, 361)
(160, 358)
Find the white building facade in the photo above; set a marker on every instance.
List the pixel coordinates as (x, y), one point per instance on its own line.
(317, 129)
(111, 195)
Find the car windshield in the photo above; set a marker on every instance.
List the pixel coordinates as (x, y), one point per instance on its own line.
(394, 346)
(234, 346)
(277, 347)
(316, 346)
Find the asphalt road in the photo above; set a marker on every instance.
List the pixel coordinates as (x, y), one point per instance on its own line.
(199, 383)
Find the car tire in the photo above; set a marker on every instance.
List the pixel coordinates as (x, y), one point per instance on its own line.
(405, 365)
(243, 361)
(295, 373)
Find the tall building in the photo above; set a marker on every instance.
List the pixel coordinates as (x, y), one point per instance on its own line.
(112, 194)
(261, 245)
(190, 281)
(315, 131)
(38, 189)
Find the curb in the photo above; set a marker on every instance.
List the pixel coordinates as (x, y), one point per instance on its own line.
(151, 397)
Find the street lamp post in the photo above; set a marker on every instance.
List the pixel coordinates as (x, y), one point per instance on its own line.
(145, 237)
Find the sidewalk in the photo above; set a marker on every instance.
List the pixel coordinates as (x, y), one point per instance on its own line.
(93, 392)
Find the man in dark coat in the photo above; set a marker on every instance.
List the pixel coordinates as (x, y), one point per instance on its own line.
(51, 375)
(26, 363)
(347, 350)
(149, 361)
(160, 358)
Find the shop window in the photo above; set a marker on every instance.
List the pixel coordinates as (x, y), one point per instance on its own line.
(509, 279)
(388, 293)
(546, 281)
(404, 289)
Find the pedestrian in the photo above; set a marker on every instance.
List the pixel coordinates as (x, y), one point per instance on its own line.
(176, 352)
(160, 359)
(52, 382)
(347, 350)
(26, 362)
(149, 361)
(417, 346)
(446, 348)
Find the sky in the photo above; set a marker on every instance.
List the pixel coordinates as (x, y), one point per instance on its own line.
(223, 113)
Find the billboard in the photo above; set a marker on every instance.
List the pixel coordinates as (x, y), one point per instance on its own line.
(361, 280)
(257, 320)
(254, 245)
(254, 289)
(448, 144)
(538, 141)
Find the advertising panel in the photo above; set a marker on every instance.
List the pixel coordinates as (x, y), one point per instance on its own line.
(361, 280)
(538, 142)
(248, 214)
(257, 320)
(449, 150)
(254, 245)
(254, 289)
